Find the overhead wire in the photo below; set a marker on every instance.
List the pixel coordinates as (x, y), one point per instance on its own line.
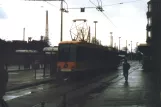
(104, 14)
(101, 2)
(121, 3)
(103, 5)
(92, 3)
(109, 19)
(98, 2)
(51, 4)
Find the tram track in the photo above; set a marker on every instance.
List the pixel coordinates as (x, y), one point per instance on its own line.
(75, 89)
(82, 89)
(10, 95)
(75, 86)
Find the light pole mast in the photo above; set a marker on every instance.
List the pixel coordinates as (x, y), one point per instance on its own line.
(23, 34)
(111, 39)
(61, 28)
(126, 46)
(95, 30)
(131, 50)
(119, 43)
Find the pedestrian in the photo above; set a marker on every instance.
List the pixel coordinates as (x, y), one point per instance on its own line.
(126, 67)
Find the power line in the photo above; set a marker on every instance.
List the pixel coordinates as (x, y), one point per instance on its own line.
(121, 3)
(98, 2)
(108, 19)
(103, 13)
(104, 5)
(92, 3)
(51, 4)
(101, 2)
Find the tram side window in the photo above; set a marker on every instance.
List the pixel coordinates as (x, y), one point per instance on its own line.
(90, 54)
(83, 53)
(80, 53)
(93, 54)
(66, 53)
(73, 52)
(63, 53)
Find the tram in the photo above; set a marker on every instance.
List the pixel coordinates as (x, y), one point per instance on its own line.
(77, 57)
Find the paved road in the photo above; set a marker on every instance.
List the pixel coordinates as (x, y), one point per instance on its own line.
(138, 92)
(53, 92)
(19, 79)
(109, 94)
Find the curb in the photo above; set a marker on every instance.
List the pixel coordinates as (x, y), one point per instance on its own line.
(22, 70)
(30, 85)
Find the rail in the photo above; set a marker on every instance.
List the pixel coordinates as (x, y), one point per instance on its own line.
(63, 100)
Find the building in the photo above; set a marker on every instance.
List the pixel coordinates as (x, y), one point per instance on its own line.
(149, 23)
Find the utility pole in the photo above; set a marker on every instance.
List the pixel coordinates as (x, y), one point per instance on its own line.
(23, 34)
(119, 43)
(126, 46)
(131, 50)
(95, 30)
(111, 39)
(89, 34)
(61, 28)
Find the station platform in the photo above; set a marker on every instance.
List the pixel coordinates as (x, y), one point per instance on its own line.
(139, 91)
(26, 78)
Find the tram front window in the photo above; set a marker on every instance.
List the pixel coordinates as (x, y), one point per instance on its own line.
(67, 52)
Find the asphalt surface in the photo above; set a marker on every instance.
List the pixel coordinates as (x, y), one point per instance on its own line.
(27, 78)
(140, 91)
(52, 91)
(109, 91)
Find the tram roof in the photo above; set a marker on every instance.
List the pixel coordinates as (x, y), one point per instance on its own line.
(71, 42)
(85, 44)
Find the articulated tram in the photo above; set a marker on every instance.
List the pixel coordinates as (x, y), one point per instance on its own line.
(77, 57)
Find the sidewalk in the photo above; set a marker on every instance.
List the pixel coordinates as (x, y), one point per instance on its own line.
(24, 79)
(140, 91)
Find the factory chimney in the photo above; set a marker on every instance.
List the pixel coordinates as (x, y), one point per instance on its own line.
(47, 29)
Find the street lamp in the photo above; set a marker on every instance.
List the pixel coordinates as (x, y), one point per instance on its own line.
(95, 29)
(62, 10)
(126, 46)
(119, 43)
(131, 50)
(24, 34)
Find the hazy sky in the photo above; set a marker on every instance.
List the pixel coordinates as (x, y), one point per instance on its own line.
(129, 18)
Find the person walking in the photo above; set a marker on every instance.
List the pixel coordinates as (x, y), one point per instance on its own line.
(126, 67)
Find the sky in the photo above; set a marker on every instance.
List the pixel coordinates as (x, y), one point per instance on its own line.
(129, 20)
